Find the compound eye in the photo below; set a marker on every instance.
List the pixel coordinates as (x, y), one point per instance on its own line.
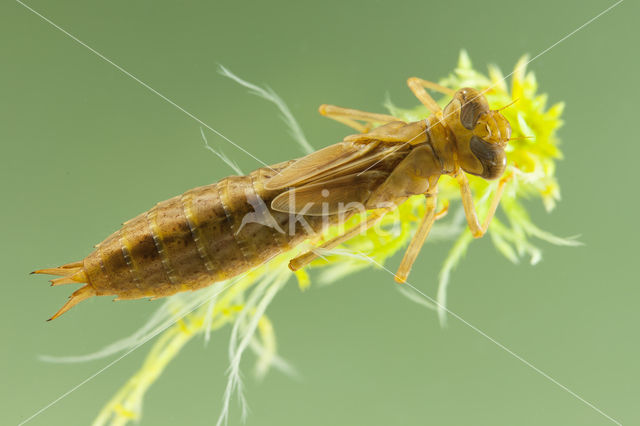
(472, 105)
(491, 156)
(470, 113)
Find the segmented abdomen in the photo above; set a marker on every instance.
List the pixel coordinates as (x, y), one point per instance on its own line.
(195, 239)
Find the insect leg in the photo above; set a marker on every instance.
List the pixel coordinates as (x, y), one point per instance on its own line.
(443, 211)
(469, 209)
(417, 86)
(418, 239)
(350, 117)
(308, 257)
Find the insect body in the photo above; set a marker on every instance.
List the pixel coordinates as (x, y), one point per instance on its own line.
(219, 231)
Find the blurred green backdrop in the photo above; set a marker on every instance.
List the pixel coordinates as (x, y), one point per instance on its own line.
(85, 147)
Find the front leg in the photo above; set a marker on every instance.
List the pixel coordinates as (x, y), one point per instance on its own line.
(478, 230)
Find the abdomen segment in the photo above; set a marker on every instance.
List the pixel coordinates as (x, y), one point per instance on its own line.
(208, 234)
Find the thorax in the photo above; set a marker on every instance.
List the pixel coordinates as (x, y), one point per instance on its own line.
(443, 142)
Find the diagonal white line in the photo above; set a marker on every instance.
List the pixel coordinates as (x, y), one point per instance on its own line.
(509, 75)
(551, 47)
(94, 375)
(497, 343)
(242, 149)
(570, 34)
(127, 73)
(396, 148)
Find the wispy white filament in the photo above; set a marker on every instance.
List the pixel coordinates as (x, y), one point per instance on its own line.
(267, 93)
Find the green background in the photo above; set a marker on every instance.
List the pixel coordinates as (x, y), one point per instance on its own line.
(85, 147)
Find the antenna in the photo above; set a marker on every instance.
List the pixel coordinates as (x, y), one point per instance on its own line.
(509, 104)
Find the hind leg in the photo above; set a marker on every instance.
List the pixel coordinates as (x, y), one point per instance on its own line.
(350, 117)
(308, 257)
(418, 85)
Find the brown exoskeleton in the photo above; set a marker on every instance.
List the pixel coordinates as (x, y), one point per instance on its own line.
(467, 136)
(218, 231)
